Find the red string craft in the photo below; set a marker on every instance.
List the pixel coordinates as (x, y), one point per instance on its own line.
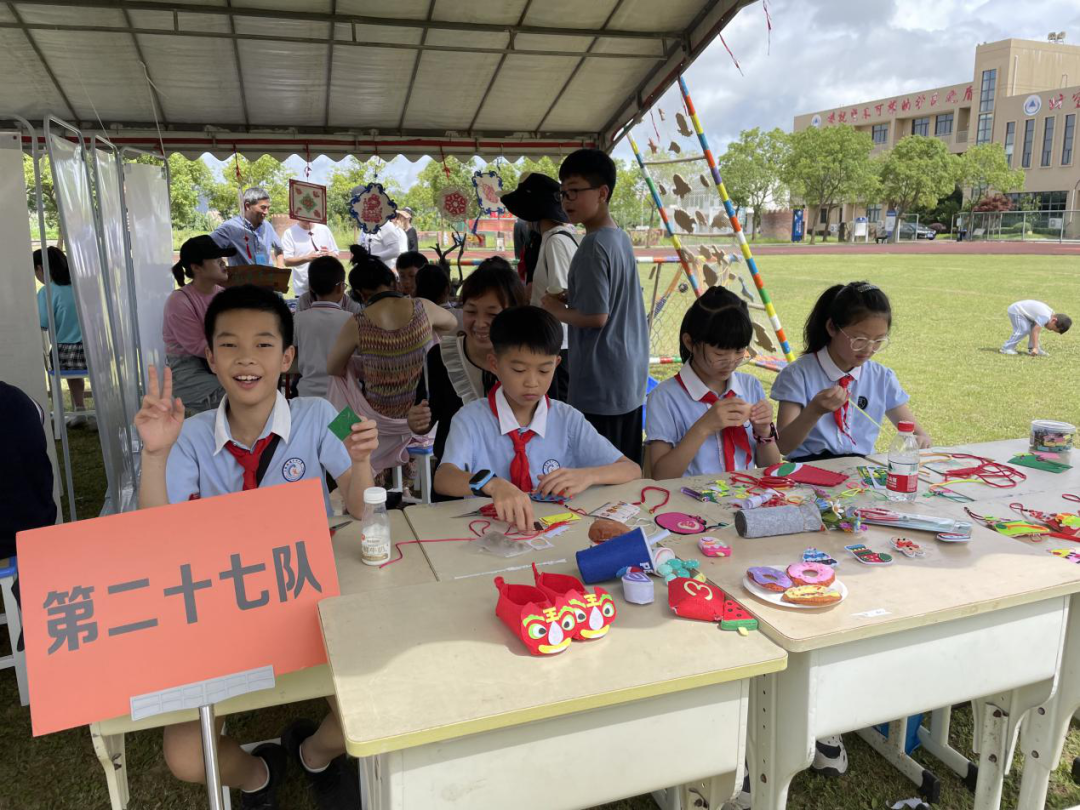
(1053, 521)
(990, 472)
(666, 494)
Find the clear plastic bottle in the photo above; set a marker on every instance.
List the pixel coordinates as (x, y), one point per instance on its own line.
(375, 528)
(903, 482)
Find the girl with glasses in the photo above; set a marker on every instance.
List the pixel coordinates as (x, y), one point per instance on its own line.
(710, 418)
(832, 396)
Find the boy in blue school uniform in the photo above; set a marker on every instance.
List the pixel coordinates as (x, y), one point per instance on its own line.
(516, 440)
(254, 438)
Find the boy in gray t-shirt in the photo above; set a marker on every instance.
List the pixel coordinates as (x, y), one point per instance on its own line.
(603, 307)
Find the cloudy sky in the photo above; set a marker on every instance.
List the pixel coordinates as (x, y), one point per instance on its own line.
(827, 53)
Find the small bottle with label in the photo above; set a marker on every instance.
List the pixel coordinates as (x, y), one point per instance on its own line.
(903, 481)
(375, 538)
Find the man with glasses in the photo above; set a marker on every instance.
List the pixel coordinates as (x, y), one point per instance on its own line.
(251, 233)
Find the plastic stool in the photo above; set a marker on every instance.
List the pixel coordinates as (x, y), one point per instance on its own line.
(10, 617)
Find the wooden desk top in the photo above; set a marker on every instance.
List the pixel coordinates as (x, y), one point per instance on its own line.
(459, 560)
(954, 580)
(436, 663)
(353, 577)
(1037, 481)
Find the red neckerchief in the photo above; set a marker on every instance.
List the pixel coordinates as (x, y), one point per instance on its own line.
(730, 437)
(249, 459)
(519, 466)
(841, 414)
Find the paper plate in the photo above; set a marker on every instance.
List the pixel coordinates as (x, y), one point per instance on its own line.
(774, 597)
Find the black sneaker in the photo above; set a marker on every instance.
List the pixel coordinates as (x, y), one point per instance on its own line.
(337, 787)
(276, 761)
(830, 756)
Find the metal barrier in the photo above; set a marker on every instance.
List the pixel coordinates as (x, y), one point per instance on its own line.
(1018, 226)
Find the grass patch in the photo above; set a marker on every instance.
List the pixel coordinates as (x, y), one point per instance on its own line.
(949, 320)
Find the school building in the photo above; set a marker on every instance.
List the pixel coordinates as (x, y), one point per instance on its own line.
(1023, 94)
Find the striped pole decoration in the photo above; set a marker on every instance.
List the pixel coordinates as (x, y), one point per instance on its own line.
(664, 217)
(733, 218)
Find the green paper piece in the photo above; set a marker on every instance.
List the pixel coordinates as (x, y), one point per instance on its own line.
(1035, 463)
(343, 422)
(786, 469)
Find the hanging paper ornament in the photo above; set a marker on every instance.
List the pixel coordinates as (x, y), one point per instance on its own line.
(684, 220)
(488, 187)
(453, 203)
(683, 127)
(307, 202)
(371, 207)
(682, 188)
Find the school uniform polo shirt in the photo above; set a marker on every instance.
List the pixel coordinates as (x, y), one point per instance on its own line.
(875, 389)
(672, 411)
(200, 466)
(478, 439)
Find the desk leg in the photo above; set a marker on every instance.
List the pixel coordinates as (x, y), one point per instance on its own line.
(1043, 736)
(780, 732)
(892, 748)
(110, 752)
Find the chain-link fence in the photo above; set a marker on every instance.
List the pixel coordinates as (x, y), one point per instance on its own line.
(1018, 226)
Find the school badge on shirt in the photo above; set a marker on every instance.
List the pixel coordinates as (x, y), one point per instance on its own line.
(293, 469)
(551, 465)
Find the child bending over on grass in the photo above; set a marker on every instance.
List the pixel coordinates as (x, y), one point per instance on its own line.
(517, 441)
(1029, 318)
(710, 418)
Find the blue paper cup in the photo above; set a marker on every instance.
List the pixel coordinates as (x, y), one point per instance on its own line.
(603, 562)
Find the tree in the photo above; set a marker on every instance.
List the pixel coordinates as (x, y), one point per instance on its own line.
(267, 172)
(827, 165)
(750, 168)
(918, 171)
(189, 182)
(48, 197)
(984, 167)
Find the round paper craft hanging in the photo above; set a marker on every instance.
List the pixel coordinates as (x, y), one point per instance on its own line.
(371, 207)
(453, 203)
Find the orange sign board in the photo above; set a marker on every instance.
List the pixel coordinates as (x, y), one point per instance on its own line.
(129, 604)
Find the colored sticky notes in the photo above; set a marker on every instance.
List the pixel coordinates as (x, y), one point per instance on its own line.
(562, 517)
(343, 422)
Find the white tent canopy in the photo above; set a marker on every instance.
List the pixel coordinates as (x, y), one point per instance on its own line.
(359, 77)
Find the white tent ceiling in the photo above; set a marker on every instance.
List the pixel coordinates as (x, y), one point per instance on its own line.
(361, 77)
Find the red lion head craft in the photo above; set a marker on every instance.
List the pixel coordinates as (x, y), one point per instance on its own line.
(595, 611)
(544, 625)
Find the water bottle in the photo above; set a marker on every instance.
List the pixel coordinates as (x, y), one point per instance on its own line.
(375, 528)
(903, 482)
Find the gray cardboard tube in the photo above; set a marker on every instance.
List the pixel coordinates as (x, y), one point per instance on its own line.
(769, 521)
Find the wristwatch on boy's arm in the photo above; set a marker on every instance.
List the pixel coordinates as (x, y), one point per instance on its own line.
(480, 480)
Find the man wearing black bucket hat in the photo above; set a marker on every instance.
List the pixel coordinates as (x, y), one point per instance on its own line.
(548, 257)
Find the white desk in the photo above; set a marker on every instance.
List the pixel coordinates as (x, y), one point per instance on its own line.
(353, 577)
(1044, 729)
(912, 636)
(446, 709)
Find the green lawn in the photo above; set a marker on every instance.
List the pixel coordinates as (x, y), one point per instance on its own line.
(949, 322)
